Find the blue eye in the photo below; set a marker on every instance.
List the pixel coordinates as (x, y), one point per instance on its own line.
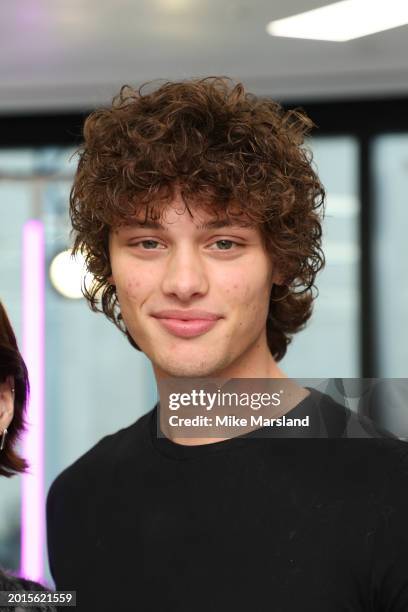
(146, 242)
(224, 240)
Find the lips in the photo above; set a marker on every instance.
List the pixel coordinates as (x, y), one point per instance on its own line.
(186, 315)
(187, 328)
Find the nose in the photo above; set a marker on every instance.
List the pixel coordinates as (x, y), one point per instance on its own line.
(184, 275)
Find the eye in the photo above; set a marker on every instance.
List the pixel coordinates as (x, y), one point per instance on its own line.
(224, 242)
(149, 242)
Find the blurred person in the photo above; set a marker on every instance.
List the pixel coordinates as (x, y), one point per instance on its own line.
(14, 390)
(199, 212)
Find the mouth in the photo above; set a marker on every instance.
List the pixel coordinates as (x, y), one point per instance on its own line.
(187, 328)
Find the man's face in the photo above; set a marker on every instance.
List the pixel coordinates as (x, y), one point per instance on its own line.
(223, 271)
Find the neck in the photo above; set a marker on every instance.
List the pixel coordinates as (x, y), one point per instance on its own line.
(294, 394)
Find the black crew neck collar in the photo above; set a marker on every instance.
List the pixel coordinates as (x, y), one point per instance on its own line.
(167, 447)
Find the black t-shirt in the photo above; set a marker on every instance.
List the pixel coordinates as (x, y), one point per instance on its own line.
(287, 524)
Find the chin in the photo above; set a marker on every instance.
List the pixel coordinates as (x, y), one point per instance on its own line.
(189, 368)
(191, 371)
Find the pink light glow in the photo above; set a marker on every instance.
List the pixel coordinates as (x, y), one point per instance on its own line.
(33, 499)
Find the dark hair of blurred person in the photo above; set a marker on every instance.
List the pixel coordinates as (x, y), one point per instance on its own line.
(22, 585)
(14, 390)
(13, 374)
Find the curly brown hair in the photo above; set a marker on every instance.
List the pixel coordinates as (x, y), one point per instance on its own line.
(225, 149)
(12, 364)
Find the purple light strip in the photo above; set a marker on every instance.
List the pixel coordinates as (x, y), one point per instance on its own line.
(33, 499)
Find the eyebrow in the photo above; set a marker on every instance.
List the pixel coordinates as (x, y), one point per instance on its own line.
(216, 224)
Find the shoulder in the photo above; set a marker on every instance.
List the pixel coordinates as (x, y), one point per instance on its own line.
(380, 458)
(394, 457)
(339, 421)
(374, 468)
(365, 443)
(76, 501)
(349, 449)
(93, 465)
(356, 438)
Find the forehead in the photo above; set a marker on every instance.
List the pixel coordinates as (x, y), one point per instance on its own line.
(200, 219)
(200, 226)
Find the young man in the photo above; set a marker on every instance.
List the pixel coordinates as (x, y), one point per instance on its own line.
(200, 214)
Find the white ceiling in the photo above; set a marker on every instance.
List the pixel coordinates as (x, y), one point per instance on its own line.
(73, 54)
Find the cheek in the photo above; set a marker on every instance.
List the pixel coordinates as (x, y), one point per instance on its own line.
(251, 295)
(132, 283)
(128, 289)
(248, 284)
(132, 288)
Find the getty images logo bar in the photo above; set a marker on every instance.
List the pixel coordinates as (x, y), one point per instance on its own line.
(282, 407)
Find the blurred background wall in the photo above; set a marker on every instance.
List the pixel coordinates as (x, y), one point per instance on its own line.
(59, 60)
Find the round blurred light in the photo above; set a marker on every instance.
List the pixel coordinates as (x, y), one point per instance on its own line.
(67, 274)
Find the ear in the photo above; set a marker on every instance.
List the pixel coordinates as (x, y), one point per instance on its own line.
(278, 278)
(110, 280)
(6, 403)
(277, 271)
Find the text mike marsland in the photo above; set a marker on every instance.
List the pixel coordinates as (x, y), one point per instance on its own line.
(234, 421)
